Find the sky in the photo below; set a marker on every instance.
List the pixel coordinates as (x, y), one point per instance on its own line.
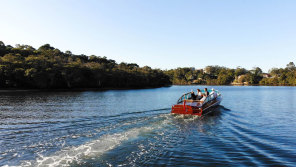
(162, 34)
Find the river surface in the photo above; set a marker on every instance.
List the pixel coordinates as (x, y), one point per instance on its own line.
(253, 126)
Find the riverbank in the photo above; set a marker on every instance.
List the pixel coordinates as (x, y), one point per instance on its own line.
(79, 89)
(219, 75)
(129, 88)
(228, 85)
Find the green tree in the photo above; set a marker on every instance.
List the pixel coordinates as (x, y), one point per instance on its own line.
(240, 71)
(2, 49)
(291, 66)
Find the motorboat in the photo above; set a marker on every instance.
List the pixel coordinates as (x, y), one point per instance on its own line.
(186, 104)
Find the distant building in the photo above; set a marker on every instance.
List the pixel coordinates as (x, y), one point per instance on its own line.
(240, 80)
(199, 70)
(206, 70)
(266, 75)
(191, 77)
(198, 81)
(252, 71)
(240, 77)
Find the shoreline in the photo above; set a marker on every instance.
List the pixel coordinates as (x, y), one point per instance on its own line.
(113, 88)
(78, 89)
(229, 85)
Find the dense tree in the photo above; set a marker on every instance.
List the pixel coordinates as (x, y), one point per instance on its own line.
(255, 76)
(2, 49)
(240, 71)
(225, 76)
(291, 66)
(47, 67)
(217, 75)
(281, 76)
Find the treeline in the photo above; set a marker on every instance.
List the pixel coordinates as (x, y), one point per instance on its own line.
(47, 67)
(281, 76)
(217, 75)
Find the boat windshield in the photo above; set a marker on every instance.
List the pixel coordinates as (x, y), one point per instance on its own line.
(187, 96)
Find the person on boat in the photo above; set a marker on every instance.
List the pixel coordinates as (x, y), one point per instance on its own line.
(199, 94)
(206, 92)
(193, 96)
(213, 92)
(205, 95)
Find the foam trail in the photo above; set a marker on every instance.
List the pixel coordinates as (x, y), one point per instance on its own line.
(90, 149)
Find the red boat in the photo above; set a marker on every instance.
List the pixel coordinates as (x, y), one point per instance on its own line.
(186, 105)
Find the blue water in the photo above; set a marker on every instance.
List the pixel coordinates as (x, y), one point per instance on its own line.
(254, 126)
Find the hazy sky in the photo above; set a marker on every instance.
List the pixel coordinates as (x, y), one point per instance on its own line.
(159, 33)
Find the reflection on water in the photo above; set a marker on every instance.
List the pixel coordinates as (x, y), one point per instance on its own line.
(253, 127)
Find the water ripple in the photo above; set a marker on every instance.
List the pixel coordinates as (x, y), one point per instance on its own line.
(116, 128)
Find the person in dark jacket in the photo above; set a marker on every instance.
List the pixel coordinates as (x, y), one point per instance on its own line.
(193, 96)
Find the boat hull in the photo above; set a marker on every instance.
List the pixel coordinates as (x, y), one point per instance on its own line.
(195, 108)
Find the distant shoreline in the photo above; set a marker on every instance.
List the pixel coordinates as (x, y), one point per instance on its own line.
(229, 85)
(78, 89)
(48, 68)
(112, 88)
